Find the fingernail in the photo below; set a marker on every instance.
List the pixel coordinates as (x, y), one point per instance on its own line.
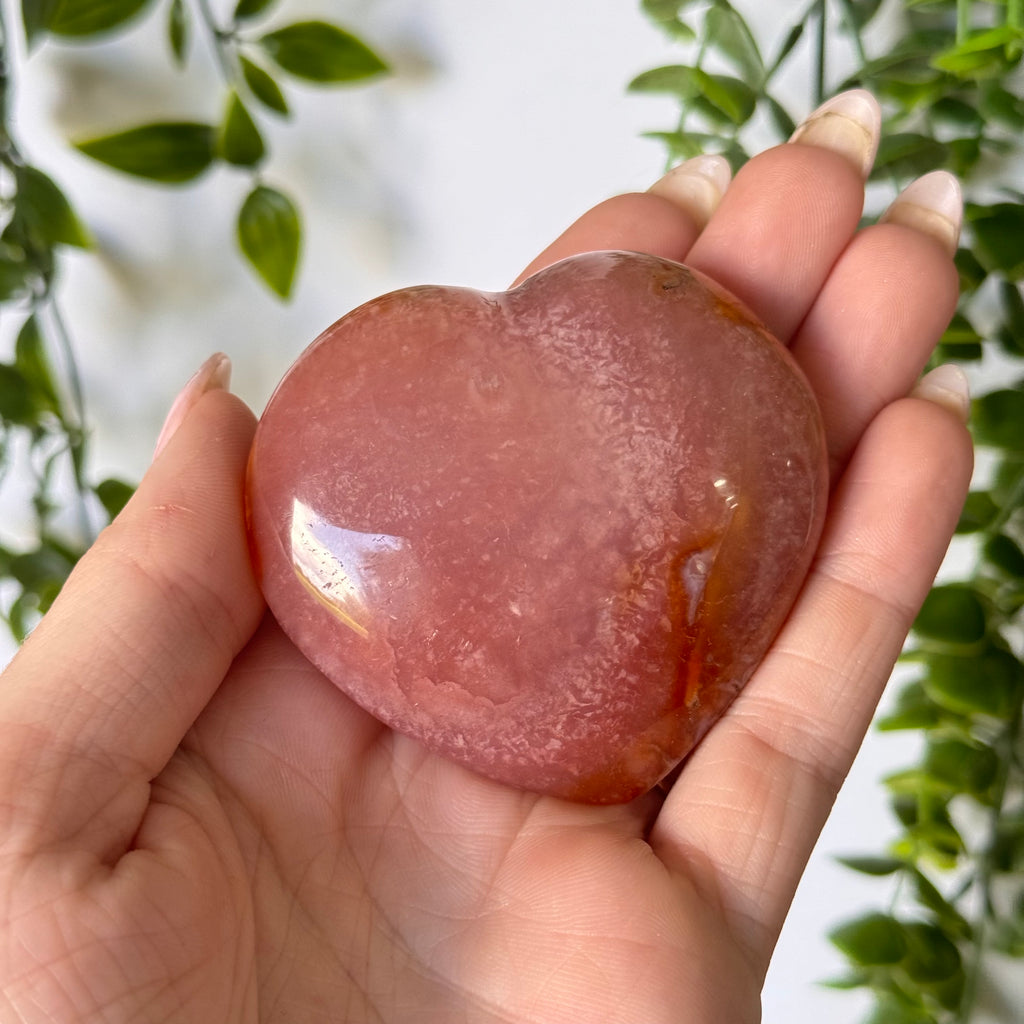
(214, 374)
(947, 386)
(932, 204)
(849, 124)
(697, 185)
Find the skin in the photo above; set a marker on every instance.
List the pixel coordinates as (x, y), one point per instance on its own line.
(197, 826)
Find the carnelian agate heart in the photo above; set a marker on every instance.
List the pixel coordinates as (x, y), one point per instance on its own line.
(550, 532)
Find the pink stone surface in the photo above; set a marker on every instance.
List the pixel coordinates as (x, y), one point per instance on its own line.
(549, 532)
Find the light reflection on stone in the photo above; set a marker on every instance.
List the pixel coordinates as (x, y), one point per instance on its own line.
(340, 567)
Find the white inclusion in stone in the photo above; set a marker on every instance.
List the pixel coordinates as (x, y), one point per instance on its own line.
(340, 567)
(694, 574)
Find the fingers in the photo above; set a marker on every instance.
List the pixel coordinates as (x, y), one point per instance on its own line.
(881, 310)
(791, 211)
(664, 221)
(747, 810)
(103, 691)
(772, 236)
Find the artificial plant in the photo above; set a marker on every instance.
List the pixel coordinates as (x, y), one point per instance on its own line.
(43, 423)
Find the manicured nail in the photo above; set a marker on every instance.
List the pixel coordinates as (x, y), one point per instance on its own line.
(697, 185)
(933, 204)
(849, 124)
(213, 375)
(947, 386)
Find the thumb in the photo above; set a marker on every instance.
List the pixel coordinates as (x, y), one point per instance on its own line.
(141, 636)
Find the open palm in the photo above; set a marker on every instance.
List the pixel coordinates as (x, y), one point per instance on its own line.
(197, 826)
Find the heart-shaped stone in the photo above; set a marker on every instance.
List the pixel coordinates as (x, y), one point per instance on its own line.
(549, 532)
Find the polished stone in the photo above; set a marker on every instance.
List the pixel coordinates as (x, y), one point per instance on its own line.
(549, 532)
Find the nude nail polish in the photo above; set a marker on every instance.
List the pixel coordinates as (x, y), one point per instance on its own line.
(933, 204)
(214, 374)
(849, 124)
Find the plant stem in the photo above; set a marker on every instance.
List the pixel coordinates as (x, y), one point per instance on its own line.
(986, 869)
(854, 32)
(963, 20)
(1015, 13)
(75, 430)
(819, 54)
(220, 37)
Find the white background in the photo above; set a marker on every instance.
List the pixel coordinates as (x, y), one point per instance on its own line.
(502, 122)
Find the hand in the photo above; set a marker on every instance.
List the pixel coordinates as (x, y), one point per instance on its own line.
(199, 827)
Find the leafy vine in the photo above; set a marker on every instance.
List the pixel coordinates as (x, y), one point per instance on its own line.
(952, 99)
(44, 428)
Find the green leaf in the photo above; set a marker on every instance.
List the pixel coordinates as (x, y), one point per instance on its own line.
(960, 332)
(731, 96)
(318, 51)
(1007, 853)
(17, 401)
(906, 63)
(45, 213)
(240, 142)
(871, 940)
(170, 152)
(729, 32)
(987, 684)
(967, 353)
(270, 234)
(998, 232)
(1008, 481)
(658, 9)
(22, 616)
(113, 495)
(952, 921)
(665, 15)
(873, 865)
(931, 956)
(972, 273)
(891, 1009)
(964, 155)
(1003, 553)
(985, 54)
(960, 114)
(248, 9)
(846, 982)
(31, 362)
(914, 710)
(908, 154)
(263, 87)
(682, 145)
(997, 419)
(788, 45)
(42, 571)
(675, 79)
(967, 767)
(15, 273)
(74, 19)
(178, 30)
(784, 123)
(1001, 106)
(979, 510)
(918, 783)
(952, 614)
(1011, 332)
(862, 11)
(34, 17)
